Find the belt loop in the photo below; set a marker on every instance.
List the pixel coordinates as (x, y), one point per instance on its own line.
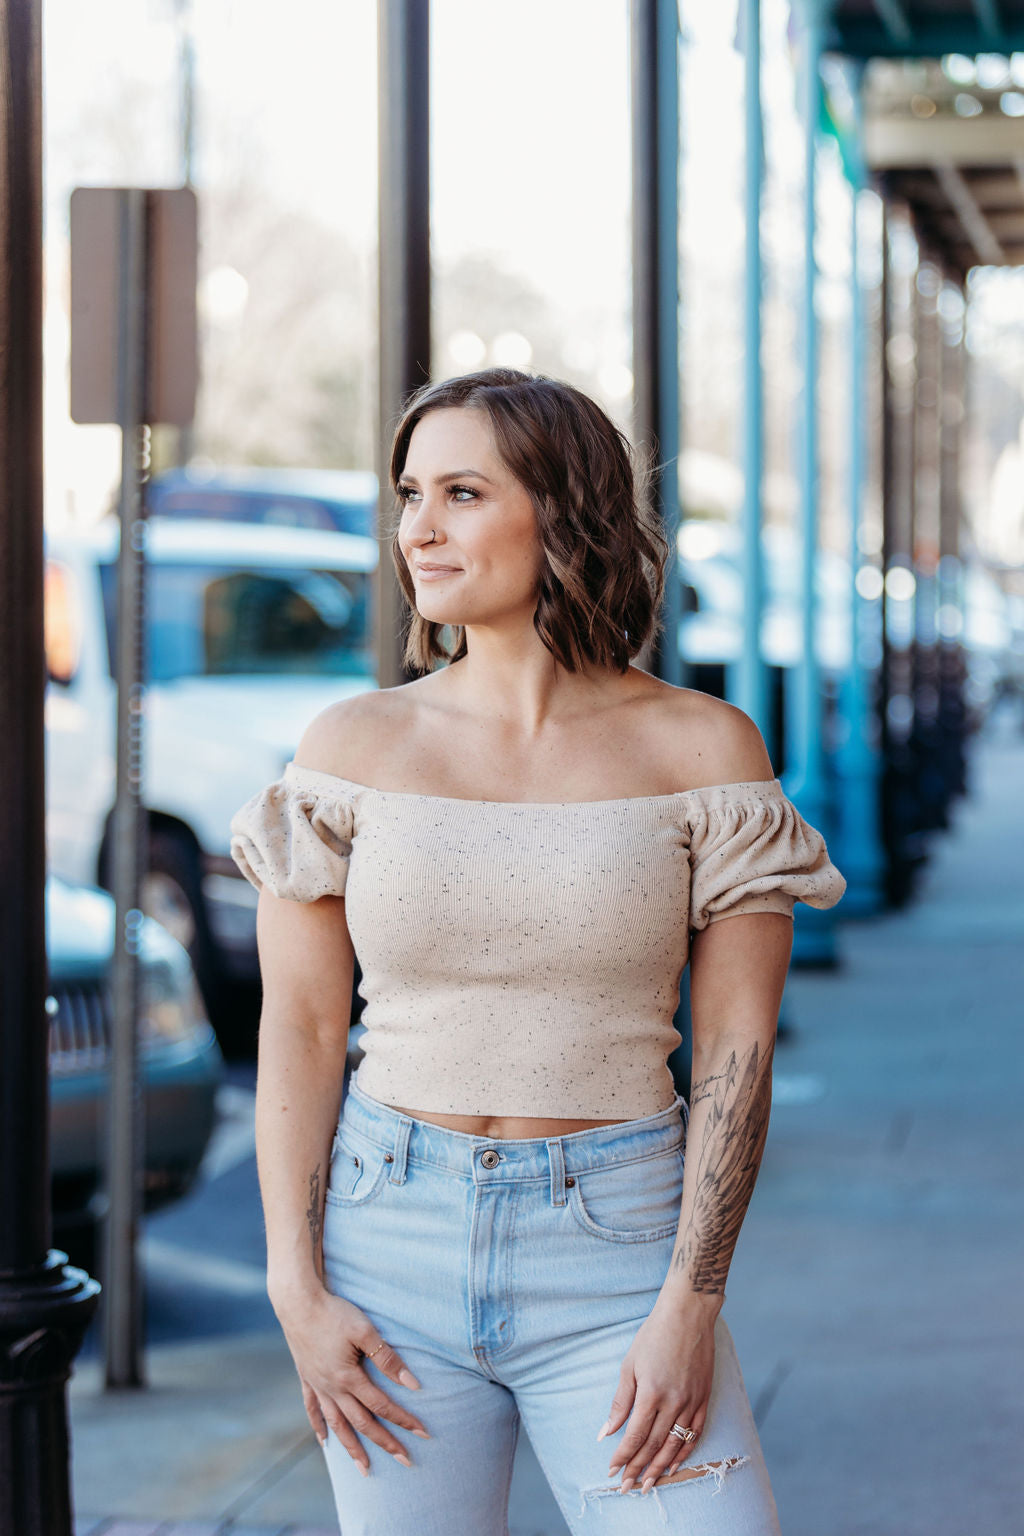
(400, 1150)
(557, 1161)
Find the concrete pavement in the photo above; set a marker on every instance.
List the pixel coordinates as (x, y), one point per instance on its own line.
(874, 1296)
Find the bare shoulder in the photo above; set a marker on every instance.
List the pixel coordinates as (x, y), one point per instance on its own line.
(709, 741)
(353, 737)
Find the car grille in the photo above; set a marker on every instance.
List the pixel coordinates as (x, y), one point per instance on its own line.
(79, 1028)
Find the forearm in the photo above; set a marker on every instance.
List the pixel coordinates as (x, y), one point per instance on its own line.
(298, 1098)
(307, 966)
(737, 974)
(730, 1103)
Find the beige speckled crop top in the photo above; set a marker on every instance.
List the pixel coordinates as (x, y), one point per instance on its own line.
(525, 958)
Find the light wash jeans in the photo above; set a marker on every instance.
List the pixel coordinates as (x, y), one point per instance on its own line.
(512, 1276)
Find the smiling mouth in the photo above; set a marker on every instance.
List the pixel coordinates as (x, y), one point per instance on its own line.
(434, 572)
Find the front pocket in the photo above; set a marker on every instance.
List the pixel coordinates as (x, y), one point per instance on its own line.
(630, 1202)
(358, 1170)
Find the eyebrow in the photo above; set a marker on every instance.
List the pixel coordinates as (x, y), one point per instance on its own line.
(454, 474)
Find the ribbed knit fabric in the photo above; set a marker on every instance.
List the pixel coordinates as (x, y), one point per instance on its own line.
(525, 959)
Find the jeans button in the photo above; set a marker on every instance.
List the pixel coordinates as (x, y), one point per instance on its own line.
(490, 1158)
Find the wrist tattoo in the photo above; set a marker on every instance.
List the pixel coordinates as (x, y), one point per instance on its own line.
(735, 1129)
(314, 1212)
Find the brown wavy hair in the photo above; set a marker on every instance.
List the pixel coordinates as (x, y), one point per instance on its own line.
(603, 575)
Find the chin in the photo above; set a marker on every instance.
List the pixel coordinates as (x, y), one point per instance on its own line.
(439, 613)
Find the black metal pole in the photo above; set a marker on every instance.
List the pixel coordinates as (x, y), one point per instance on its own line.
(403, 74)
(45, 1304)
(654, 90)
(122, 1319)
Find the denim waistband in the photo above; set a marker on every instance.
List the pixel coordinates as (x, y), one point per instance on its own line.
(490, 1159)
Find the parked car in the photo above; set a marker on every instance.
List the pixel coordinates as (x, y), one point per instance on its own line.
(341, 500)
(180, 1063)
(711, 629)
(251, 631)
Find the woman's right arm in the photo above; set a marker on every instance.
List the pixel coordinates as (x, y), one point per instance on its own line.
(307, 964)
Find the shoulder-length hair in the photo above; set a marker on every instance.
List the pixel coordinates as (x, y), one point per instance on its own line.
(603, 573)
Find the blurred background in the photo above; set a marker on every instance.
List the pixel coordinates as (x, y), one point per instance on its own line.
(781, 244)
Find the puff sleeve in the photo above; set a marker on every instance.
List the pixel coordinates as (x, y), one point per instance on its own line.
(752, 851)
(295, 836)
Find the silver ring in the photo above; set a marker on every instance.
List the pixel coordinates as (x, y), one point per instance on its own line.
(682, 1433)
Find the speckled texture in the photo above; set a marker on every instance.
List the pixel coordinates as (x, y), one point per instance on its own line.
(524, 959)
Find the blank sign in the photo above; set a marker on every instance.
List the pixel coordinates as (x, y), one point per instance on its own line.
(172, 259)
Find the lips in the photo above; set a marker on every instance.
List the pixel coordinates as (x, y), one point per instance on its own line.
(435, 572)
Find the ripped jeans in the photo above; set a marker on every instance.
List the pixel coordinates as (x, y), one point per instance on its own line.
(512, 1276)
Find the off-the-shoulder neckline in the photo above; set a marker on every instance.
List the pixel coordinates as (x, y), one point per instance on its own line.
(293, 768)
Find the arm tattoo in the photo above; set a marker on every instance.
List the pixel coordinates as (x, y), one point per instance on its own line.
(734, 1137)
(314, 1213)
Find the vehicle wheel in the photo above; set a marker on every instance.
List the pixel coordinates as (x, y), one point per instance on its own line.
(172, 894)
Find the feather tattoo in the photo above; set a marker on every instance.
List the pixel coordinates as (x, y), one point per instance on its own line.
(735, 1129)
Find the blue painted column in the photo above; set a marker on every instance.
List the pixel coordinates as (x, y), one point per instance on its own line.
(858, 764)
(814, 936)
(748, 680)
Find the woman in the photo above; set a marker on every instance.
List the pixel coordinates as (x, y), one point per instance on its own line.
(518, 845)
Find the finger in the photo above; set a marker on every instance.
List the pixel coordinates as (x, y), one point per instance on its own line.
(314, 1412)
(645, 1411)
(684, 1451)
(361, 1419)
(386, 1359)
(344, 1432)
(654, 1452)
(668, 1452)
(622, 1402)
(379, 1403)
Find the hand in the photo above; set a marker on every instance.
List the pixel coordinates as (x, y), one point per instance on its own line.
(328, 1338)
(665, 1379)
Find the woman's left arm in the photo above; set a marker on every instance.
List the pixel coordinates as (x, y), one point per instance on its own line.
(737, 972)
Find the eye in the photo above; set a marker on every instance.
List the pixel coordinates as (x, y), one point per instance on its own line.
(405, 493)
(458, 491)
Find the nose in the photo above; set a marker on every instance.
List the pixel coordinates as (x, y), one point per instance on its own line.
(422, 524)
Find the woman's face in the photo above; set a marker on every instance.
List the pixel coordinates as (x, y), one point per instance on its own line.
(484, 564)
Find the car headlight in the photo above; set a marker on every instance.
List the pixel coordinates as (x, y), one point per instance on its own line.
(170, 1008)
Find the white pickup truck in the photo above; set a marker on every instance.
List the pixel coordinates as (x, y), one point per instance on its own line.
(251, 631)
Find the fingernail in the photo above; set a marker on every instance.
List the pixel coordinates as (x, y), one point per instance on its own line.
(674, 1468)
(627, 1484)
(363, 1469)
(422, 1434)
(403, 1458)
(407, 1378)
(648, 1485)
(604, 1430)
(323, 1440)
(614, 1468)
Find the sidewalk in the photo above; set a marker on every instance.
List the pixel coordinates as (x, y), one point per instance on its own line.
(875, 1292)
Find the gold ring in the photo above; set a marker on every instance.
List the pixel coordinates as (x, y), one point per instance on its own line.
(682, 1433)
(376, 1351)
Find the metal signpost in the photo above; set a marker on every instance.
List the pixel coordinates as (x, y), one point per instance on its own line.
(133, 361)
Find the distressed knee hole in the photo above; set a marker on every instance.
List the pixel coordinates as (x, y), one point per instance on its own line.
(705, 1471)
(715, 1469)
